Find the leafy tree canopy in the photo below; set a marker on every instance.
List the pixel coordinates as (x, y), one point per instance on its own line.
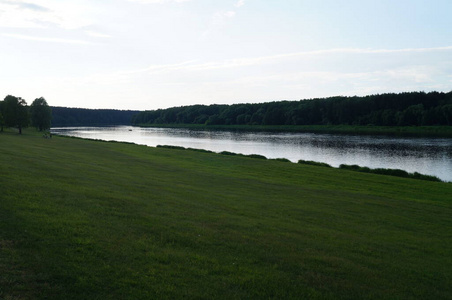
(2, 119)
(15, 112)
(41, 114)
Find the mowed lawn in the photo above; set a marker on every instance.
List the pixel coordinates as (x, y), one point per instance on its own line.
(84, 219)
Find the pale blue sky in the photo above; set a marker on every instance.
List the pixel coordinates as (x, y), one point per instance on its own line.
(148, 54)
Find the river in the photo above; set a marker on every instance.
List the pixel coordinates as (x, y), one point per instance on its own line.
(431, 156)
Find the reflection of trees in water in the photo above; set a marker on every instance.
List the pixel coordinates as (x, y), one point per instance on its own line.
(395, 146)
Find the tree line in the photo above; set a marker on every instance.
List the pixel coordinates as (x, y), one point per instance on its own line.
(14, 112)
(404, 109)
(66, 116)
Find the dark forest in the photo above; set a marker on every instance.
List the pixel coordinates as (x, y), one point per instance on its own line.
(404, 109)
(64, 116)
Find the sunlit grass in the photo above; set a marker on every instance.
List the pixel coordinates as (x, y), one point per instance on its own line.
(84, 219)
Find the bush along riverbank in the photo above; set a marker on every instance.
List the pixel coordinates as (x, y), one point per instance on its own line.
(381, 171)
(85, 219)
(386, 110)
(390, 172)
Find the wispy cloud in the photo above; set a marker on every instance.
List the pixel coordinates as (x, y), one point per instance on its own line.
(245, 62)
(45, 39)
(272, 71)
(219, 19)
(97, 34)
(20, 14)
(360, 51)
(240, 3)
(158, 1)
(27, 5)
(229, 14)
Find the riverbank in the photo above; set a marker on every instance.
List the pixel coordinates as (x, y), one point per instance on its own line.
(409, 131)
(83, 219)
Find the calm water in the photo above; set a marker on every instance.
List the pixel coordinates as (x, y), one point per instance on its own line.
(431, 156)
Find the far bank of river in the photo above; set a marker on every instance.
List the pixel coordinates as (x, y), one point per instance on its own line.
(431, 156)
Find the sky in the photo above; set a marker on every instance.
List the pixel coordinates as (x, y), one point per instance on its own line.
(151, 54)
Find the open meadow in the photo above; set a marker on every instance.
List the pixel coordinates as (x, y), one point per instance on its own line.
(84, 219)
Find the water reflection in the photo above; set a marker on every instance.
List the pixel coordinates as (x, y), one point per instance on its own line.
(431, 156)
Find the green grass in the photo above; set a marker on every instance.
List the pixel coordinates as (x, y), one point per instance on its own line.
(83, 219)
(414, 131)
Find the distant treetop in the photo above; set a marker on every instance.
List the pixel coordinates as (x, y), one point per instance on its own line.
(404, 109)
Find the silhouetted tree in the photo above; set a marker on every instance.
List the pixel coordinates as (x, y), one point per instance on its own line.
(413, 115)
(15, 112)
(2, 119)
(41, 114)
(445, 113)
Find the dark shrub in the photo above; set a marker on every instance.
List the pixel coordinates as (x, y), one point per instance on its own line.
(171, 147)
(314, 163)
(200, 150)
(256, 156)
(390, 172)
(228, 153)
(282, 159)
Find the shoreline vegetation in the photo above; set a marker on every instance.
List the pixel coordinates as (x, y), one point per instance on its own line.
(87, 219)
(403, 114)
(381, 171)
(413, 109)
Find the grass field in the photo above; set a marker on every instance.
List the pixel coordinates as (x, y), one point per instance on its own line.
(83, 219)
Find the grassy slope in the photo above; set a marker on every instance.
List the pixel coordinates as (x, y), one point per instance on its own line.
(84, 219)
